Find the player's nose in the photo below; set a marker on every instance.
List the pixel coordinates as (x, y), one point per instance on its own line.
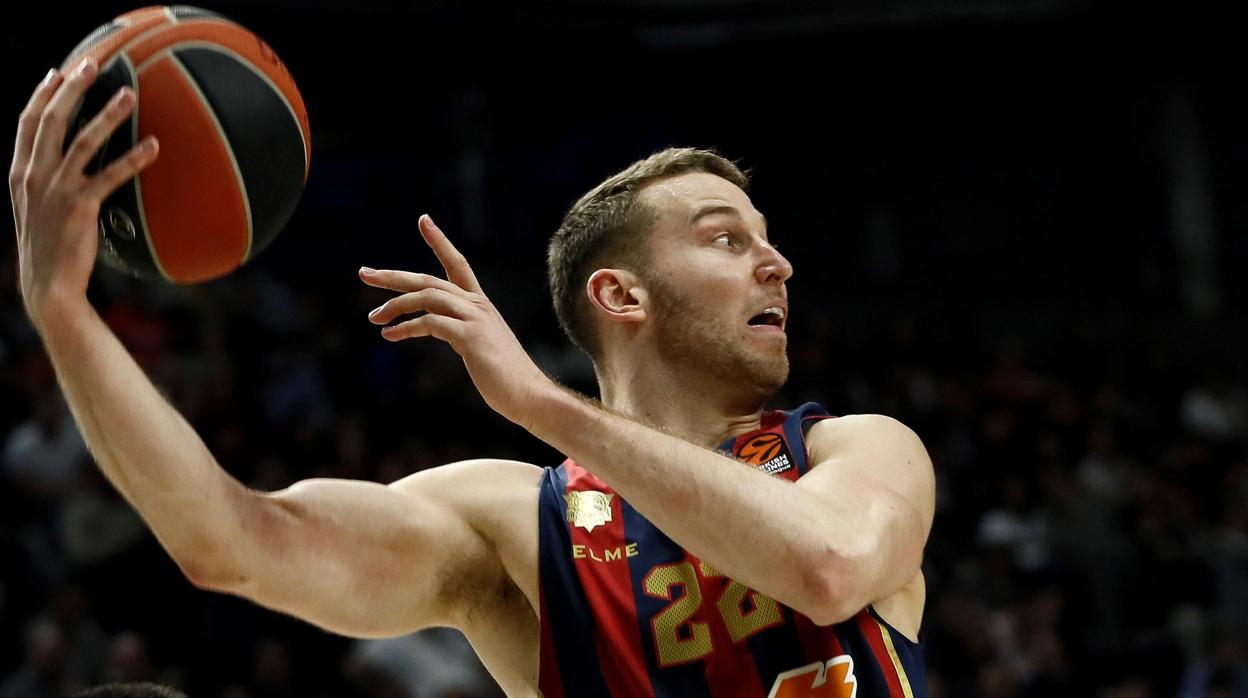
(773, 268)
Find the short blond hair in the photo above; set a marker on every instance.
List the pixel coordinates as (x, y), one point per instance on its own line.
(609, 226)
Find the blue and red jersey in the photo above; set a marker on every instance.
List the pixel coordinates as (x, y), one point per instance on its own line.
(626, 611)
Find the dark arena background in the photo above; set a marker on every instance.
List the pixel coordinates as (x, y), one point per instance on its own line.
(1019, 227)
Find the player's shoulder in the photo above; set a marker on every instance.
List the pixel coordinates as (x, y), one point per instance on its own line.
(872, 431)
(850, 425)
(874, 447)
(477, 479)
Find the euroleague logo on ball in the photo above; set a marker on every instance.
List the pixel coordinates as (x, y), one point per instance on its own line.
(766, 452)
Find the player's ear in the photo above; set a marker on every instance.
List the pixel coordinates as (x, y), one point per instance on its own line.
(618, 293)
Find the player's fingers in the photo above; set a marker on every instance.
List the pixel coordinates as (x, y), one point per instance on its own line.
(93, 136)
(455, 264)
(28, 126)
(430, 300)
(54, 121)
(444, 328)
(395, 280)
(124, 168)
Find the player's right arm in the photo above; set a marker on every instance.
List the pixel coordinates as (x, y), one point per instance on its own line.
(357, 558)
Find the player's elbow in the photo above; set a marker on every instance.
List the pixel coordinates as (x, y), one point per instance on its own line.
(211, 574)
(215, 556)
(845, 576)
(836, 584)
(831, 613)
(205, 558)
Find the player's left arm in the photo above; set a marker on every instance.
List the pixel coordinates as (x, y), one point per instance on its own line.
(880, 468)
(849, 532)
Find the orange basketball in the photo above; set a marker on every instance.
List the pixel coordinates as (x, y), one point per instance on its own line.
(234, 142)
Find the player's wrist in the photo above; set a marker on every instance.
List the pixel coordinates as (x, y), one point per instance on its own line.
(55, 309)
(550, 409)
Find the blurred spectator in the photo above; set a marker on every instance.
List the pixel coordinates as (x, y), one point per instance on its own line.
(432, 663)
(96, 523)
(128, 660)
(271, 670)
(1220, 673)
(131, 690)
(1218, 412)
(10, 649)
(44, 454)
(85, 642)
(1016, 528)
(40, 676)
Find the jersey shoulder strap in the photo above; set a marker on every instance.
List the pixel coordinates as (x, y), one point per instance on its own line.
(778, 446)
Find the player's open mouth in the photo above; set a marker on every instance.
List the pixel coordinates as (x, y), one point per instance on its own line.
(772, 316)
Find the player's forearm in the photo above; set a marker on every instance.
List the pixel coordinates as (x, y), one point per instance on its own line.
(142, 445)
(741, 521)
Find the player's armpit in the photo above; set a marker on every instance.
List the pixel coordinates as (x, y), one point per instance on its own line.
(877, 481)
(365, 559)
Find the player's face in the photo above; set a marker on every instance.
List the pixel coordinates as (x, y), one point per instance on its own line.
(717, 284)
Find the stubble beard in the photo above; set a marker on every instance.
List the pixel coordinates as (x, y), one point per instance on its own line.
(690, 338)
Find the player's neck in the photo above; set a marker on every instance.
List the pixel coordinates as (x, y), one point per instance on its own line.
(706, 415)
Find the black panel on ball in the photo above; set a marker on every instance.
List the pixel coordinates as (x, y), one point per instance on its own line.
(262, 132)
(123, 240)
(182, 12)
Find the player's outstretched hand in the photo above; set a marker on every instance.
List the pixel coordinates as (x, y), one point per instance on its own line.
(55, 203)
(456, 311)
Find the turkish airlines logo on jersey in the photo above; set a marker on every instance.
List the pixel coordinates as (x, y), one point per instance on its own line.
(767, 452)
(831, 679)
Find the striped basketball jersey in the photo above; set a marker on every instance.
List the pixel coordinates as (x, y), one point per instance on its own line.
(626, 611)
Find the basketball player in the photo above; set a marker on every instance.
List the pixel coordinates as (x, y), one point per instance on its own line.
(691, 545)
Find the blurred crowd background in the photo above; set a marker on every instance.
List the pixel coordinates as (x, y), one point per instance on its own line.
(1019, 227)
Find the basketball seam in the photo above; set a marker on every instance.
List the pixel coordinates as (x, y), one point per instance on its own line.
(225, 142)
(250, 66)
(123, 49)
(138, 179)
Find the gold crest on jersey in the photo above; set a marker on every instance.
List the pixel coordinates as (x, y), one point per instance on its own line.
(588, 509)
